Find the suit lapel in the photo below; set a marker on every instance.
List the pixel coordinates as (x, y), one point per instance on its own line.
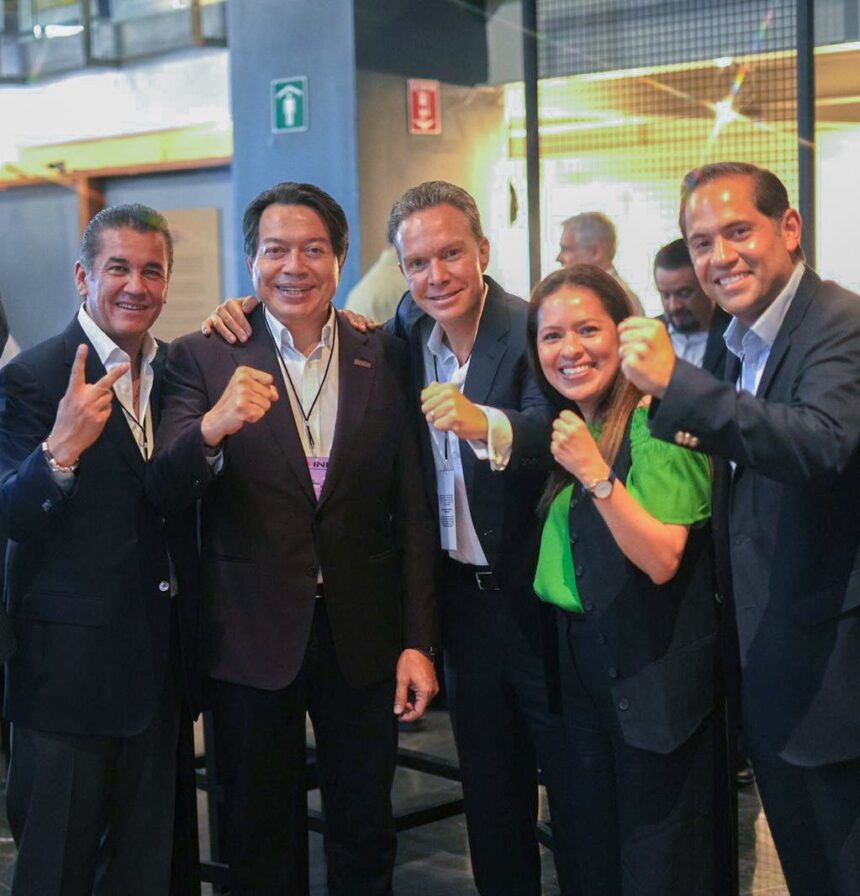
(491, 345)
(158, 364)
(260, 353)
(796, 312)
(358, 362)
(489, 349)
(116, 429)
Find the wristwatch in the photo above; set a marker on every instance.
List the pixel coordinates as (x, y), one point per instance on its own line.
(602, 488)
(55, 466)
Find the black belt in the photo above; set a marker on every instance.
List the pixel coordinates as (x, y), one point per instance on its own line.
(482, 576)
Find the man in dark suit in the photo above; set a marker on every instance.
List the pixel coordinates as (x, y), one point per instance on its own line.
(93, 691)
(695, 322)
(485, 453)
(787, 425)
(318, 549)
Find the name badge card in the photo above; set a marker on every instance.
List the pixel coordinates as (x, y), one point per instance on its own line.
(447, 516)
(318, 467)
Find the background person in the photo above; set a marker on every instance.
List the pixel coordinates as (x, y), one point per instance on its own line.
(624, 557)
(589, 238)
(695, 323)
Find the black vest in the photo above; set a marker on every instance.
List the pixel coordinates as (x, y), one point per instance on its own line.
(659, 640)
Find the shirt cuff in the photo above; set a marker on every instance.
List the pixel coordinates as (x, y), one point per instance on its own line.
(215, 461)
(65, 482)
(500, 439)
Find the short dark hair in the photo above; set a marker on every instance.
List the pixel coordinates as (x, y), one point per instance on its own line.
(135, 216)
(673, 256)
(292, 193)
(769, 193)
(428, 195)
(593, 227)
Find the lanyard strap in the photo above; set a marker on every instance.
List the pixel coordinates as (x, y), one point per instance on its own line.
(135, 422)
(305, 416)
(444, 434)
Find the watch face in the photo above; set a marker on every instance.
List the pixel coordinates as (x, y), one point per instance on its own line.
(602, 488)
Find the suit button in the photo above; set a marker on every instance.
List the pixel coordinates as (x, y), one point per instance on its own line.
(612, 672)
(164, 586)
(47, 505)
(574, 537)
(197, 483)
(311, 572)
(580, 571)
(601, 638)
(574, 502)
(624, 704)
(488, 533)
(588, 606)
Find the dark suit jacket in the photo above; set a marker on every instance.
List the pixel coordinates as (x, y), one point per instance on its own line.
(502, 504)
(787, 524)
(88, 573)
(264, 535)
(714, 360)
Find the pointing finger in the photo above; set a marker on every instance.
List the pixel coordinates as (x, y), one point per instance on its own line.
(76, 377)
(108, 380)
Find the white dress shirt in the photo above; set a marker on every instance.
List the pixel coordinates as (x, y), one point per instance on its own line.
(307, 373)
(139, 420)
(441, 365)
(689, 346)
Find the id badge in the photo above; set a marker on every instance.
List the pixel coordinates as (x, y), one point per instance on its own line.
(318, 467)
(447, 517)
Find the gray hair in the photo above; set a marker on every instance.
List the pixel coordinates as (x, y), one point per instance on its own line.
(593, 228)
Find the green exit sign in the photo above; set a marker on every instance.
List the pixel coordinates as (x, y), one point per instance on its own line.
(289, 100)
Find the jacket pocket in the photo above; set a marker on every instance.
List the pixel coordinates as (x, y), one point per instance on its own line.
(64, 607)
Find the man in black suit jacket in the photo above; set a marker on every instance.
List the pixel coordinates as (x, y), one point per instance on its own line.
(93, 691)
(787, 423)
(695, 322)
(485, 453)
(318, 549)
(484, 457)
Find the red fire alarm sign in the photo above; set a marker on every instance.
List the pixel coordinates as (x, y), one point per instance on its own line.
(425, 107)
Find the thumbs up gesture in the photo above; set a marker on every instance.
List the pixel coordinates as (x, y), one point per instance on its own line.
(82, 412)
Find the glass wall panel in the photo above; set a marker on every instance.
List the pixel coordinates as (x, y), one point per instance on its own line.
(634, 94)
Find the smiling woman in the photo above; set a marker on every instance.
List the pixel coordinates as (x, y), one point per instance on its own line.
(624, 561)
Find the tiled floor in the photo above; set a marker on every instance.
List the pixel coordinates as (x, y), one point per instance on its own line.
(433, 860)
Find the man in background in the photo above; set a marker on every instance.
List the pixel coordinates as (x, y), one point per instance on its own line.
(695, 322)
(589, 238)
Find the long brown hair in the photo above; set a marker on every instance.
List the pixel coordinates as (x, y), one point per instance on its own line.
(621, 398)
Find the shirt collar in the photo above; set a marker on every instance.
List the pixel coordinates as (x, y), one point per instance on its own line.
(284, 338)
(107, 349)
(765, 329)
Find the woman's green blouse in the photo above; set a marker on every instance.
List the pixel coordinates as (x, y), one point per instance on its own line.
(672, 483)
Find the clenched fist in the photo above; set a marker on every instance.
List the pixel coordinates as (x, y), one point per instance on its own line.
(647, 356)
(448, 410)
(247, 398)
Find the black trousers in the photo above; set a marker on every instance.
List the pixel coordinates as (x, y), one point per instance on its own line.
(504, 730)
(260, 758)
(814, 816)
(644, 821)
(95, 815)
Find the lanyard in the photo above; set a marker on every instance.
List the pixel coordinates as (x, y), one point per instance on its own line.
(305, 416)
(444, 434)
(135, 422)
